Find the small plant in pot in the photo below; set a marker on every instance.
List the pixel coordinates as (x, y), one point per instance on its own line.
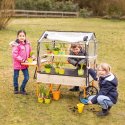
(56, 50)
(47, 46)
(61, 69)
(57, 67)
(80, 71)
(41, 94)
(31, 53)
(31, 57)
(47, 98)
(48, 68)
(62, 50)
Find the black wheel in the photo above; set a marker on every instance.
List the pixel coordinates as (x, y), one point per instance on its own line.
(90, 90)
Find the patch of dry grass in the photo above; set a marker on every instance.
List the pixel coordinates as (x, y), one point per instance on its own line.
(22, 110)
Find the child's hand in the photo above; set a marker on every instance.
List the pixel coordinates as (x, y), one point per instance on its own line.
(22, 61)
(88, 67)
(78, 65)
(26, 61)
(81, 62)
(33, 57)
(89, 102)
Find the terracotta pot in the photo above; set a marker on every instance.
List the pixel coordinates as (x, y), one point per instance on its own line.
(49, 51)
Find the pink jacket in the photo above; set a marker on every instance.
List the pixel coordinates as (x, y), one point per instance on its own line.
(20, 52)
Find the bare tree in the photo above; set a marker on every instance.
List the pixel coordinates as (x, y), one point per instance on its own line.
(6, 12)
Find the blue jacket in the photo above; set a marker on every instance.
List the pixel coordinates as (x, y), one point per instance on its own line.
(108, 86)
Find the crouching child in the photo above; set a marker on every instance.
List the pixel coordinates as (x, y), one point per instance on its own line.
(107, 95)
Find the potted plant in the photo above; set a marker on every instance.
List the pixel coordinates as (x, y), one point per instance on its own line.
(47, 98)
(61, 69)
(56, 50)
(31, 53)
(80, 71)
(30, 59)
(48, 68)
(41, 94)
(57, 67)
(47, 46)
(62, 50)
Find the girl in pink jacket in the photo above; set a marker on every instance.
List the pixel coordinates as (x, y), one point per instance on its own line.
(20, 52)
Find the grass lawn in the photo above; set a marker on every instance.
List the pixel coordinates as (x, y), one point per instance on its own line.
(25, 110)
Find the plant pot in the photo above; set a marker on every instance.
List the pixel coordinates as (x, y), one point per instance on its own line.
(56, 95)
(61, 71)
(47, 70)
(47, 100)
(62, 52)
(55, 52)
(80, 72)
(57, 70)
(48, 51)
(40, 99)
(30, 60)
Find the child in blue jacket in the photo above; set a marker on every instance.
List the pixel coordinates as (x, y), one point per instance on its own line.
(77, 50)
(108, 83)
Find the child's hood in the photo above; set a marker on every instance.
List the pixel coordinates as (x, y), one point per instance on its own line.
(112, 79)
(13, 43)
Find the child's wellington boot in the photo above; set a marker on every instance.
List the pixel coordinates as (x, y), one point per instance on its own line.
(104, 112)
(16, 90)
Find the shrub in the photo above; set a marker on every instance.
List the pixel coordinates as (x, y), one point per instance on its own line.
(5, 14)
(85, 13)
(114, 11)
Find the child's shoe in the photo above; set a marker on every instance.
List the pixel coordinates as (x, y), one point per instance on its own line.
(23, 92)
(109, 108)
(74, 89)
(16, 90)
(104, 112)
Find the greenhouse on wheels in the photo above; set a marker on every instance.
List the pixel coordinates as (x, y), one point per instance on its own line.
(53, 51)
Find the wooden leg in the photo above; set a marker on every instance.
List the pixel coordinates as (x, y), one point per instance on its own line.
(50, 87)
(34, 77)
(93, 83)
(84, 92)
(37, 89)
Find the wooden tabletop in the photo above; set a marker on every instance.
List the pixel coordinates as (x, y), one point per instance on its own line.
(33, 63)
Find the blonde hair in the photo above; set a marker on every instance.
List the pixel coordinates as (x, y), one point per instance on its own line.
(105, 67)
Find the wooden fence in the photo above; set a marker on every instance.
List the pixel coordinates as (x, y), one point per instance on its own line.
(38, 14)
